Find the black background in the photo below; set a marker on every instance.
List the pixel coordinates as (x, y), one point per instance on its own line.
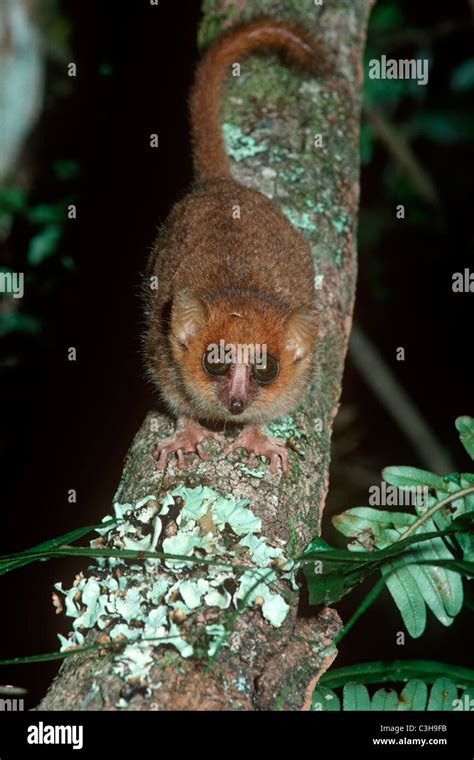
(69, 424)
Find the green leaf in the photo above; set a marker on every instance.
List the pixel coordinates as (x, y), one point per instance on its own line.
(434, 574)
(325, 700)
(465, 428)
(398, 670)
(364, 605)
(422, 575)
(136, 554)
(386, 18)
(413, 697)
(466, 540)
(67, 538)
(68, 263)
(446, 585)
(407, 597)
(356, 697)
(49, 656)
(46, 213)
(44, 244)
(444, 516)
(385, 699)
(425, 576)
(376, 91)
(445, 127)
(66, 169)
(411, 477)
(467, 699)
(324, 588)
(12, 199)
(349, 557)
(464, 521)
(19, 322)
(445, 679)
(368, 524)
(441, 588)
(457, 565)
(443, 693)
(318, 544)
(462, 78)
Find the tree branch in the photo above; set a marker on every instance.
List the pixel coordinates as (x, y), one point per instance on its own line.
(271, 114)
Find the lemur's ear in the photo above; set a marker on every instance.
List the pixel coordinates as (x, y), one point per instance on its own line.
(301, 328)
(188, 315)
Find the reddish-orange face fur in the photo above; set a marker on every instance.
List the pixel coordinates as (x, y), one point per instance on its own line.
(236, 320)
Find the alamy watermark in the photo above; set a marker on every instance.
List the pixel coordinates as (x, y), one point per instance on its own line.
(43, 733)
(403, 68)
(11, 698)
(386, 495)
(11, 704)
(237, 353)
(12, 282)
(463, 282)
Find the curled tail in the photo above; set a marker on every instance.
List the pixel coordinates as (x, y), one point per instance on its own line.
(210, 158)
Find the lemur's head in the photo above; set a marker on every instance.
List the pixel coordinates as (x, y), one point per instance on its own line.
(241, 358)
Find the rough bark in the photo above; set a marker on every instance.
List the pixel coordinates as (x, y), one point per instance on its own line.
(272, 114)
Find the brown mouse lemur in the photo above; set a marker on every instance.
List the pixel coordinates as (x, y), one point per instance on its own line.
(232, 324)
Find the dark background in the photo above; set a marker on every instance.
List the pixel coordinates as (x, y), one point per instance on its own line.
(69, 424)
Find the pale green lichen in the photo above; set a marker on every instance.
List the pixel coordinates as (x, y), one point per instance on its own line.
(302, 220)
(144, 604)
(240, 146)
(284, 427)
(294, 174)
(250, 471)
(218, 634)
(240, 684)
(274, 607)
(340, 222)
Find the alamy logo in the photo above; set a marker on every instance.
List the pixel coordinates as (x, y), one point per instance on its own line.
(386, 495)
(463, 282)
(12, 282)
(12, 705)
(404, 68)
(237, 353)
(46, 734)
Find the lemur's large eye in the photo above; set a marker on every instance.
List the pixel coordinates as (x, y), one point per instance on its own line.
(214, 368)
(265, 374)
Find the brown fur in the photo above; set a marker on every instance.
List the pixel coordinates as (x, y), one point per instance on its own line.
(247, 280)
(210, 159)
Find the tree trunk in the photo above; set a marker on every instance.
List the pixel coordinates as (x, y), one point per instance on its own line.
(262, 655)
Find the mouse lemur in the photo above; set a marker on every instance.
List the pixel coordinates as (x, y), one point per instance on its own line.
(232, 325)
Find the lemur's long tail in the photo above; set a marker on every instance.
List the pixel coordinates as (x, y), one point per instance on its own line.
(210, 158)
